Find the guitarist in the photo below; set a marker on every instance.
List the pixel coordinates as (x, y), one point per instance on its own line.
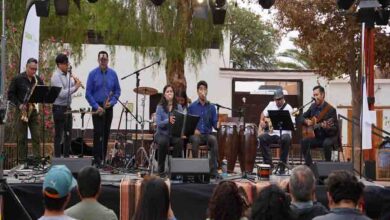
(267, 136)
(322, 117)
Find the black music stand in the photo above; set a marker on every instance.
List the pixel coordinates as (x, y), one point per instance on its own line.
(44, 95)
(281, 120)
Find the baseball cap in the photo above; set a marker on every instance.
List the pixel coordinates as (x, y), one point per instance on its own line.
(278, 94)
(60, 179)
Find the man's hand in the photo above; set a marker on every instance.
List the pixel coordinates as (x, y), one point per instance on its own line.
(263, 124)
(197, 132)
(107, 105)
(100, 111)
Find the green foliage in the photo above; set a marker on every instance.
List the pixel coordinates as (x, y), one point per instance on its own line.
(252, 42)
(299, 60)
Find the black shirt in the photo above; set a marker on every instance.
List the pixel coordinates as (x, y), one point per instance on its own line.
(315, 110)
(20, 86)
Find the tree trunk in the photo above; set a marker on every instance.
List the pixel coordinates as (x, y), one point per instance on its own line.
(175, 74)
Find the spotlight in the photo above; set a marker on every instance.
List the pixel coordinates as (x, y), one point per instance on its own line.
(155, 2)
(345, 4)
(266, 4)
(367, 11)
(42, 8)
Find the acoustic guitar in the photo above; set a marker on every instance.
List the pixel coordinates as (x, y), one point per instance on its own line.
(308, 131)
(268, 126)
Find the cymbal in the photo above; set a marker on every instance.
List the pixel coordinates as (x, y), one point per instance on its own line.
(145, 90)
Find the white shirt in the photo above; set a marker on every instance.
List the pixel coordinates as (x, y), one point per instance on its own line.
(272, 106)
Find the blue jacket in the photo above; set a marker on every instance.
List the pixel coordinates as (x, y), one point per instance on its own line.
(208, 116)
(162, 119)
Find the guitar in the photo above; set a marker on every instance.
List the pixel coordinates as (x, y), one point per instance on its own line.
(308, 131)
(268, 127)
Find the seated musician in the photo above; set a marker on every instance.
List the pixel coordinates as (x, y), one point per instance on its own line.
(166, 106)
(208, 120)
(269, 136)
(322, 117)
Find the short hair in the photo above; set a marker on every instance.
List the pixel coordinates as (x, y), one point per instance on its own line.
(154, 196)
(226, 202)
(302, 183)
(322, 90)
(32, 60)
(61, 59)
(54, 204)
(272, 203)
(88, 182)
(343, 185)
(102, 52)
(201, 83)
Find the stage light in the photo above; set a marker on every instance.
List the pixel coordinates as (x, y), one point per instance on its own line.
(382, 16)
(367, 11)
(158, 2)
(42, 8)
(62, 7)
(266, 4)
(345, 4)
(201, 10)
(220, 3)
(218, 10)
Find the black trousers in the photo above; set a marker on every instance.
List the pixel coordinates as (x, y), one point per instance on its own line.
(211, 141)
(326, 143)
(101, 134)
(63, 131)
(164, 141)
(265, 140)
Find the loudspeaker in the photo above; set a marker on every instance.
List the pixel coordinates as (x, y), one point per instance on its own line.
(370, 169)
(322, 170)
(192, 170)
(73, 164)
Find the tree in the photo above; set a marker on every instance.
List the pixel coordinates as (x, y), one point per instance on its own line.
(252, 42)
(332, 41)
(297, 60)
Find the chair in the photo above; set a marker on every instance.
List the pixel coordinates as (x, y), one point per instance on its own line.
(153, 163)
(203, 151)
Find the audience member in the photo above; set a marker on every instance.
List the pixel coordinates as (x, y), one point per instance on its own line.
(272, 204)
(57, 185)
(88, 186)
(302, 191)
(226, 203)
(344, 193)
(154, 203)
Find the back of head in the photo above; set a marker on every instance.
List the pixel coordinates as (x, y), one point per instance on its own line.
(154, 200)
(302, 183)
(271, 204)
(88, 181)
(343, 185)
(226, 202)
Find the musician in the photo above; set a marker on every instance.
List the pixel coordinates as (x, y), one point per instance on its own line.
(19, 92)
(208, 120)
(326, 128)
(63, 122)
(102, 93)
(164, 118)
(267, 137)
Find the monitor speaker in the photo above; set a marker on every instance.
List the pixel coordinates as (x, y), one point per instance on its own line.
(192, 170)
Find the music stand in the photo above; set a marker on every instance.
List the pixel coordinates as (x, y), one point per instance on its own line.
(281, 119)
(44, 95)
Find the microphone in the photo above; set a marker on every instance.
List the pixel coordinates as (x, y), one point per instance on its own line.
(70, 69)
(313, 99)
(158, 62)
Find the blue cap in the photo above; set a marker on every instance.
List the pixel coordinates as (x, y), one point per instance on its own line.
(60, 179)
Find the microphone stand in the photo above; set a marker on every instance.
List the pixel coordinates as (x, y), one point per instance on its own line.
(136, 73)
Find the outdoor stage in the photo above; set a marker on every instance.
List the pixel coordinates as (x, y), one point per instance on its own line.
(189, 201)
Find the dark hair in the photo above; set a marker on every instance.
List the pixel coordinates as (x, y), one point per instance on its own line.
(342, 184)
(322, 90)
(54, 204)
(32, 60)
(61, 58)
(201, 83)
(164, 103)
(102, 52)
(183, 94)
(88, 182)
(302, 183)
(226, 202)
(154, 200)
(272, 204)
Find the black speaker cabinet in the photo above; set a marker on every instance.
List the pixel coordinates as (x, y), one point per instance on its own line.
(370, 169)
(322, 170)
(192, 170)
(73, 164)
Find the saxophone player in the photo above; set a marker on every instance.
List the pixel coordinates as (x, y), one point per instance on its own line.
(63, 122)
(19, 91)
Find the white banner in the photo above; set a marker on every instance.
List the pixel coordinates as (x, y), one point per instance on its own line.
(30, 40)
(365, 119)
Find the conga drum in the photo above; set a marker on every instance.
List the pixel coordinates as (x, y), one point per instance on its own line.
(248, 147)
(221, 137)
(231, 146)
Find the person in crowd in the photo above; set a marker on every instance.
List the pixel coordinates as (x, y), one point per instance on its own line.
(102, 93)
(322, 117)
(208, 120)
(345, 195)
(302, 191)
(182, 99)
(165, 118)
(88, 186)
(57, 186)
(226, 203)
(154, 202)
(19, 92)
(63, 122)
(272, 204)
(268, 136)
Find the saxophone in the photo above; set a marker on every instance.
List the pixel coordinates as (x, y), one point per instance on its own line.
(26, 112)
